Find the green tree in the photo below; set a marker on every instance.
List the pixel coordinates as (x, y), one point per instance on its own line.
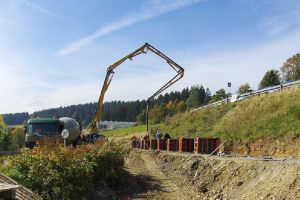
(196, 97)
(219, 95)
(5, 137)
(171, 108)
(157, 114)
(141, 118)
(193, 100)
(291, 68)
(245, 88)
(271, 78)
(207, 96)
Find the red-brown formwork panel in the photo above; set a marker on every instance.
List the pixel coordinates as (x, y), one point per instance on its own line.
(206, 145)
(162, 144)
(186, 145)
(153, 144)
(146, 144)
(172, 144)
(142, 144)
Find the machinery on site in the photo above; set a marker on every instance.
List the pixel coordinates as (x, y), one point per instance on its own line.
(38, 130)
(110, 73)
(48, 130)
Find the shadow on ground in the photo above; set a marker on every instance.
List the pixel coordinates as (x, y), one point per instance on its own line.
(136, 186)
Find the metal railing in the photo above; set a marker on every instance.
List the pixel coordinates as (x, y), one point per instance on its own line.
(239, 97)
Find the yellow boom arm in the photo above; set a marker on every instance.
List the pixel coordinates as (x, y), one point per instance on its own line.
(110, 74)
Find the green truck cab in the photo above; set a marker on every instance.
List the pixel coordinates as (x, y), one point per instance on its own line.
(45, 130)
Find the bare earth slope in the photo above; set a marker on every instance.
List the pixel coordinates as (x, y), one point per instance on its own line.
(162, 175)
(147, 181)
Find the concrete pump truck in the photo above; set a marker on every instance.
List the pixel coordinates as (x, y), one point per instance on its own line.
(38, 129)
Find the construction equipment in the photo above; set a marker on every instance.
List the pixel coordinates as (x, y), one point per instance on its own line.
(110, 73)
(45, 130)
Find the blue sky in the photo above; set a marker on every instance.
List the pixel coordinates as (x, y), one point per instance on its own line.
(55, 53)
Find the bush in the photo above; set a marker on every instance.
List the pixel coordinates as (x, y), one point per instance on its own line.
(18, 138)
(66, 173)
(5, 137)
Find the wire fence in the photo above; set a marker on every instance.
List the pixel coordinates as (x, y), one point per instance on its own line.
(239, 97)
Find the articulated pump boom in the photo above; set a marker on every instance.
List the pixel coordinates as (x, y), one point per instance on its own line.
(110, 73)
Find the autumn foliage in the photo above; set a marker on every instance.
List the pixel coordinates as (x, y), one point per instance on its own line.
(67, 173)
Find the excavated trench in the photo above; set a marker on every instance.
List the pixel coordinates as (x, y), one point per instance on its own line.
(163, 175)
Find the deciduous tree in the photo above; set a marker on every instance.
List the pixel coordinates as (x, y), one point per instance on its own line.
(245, 88)
(291, 68)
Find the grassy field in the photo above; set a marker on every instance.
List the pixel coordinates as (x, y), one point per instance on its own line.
(271, 115)
(125, 131)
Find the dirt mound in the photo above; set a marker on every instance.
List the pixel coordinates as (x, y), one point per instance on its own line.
(202, 177)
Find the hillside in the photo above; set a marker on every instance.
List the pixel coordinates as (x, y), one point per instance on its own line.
(270, 115)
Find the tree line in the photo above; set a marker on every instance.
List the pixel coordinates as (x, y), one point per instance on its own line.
(164, 105)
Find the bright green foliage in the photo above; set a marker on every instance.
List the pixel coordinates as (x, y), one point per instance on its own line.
(271, 115)
(66, 173)
(291, 68)
(271, 78)
(245, 88)
(5, 137)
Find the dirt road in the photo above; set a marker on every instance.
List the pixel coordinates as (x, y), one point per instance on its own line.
(147, 181)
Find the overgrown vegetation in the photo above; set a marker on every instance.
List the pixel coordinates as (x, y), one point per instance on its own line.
(67, 173)
(271, 115)
(11, 139)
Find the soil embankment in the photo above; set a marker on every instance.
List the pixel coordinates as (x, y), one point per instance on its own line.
(162, 175)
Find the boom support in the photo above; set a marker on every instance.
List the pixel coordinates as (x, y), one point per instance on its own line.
(110, 73)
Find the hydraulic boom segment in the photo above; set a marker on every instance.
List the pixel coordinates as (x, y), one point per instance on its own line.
(110, 73)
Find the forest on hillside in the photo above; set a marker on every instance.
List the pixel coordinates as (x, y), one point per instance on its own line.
(164, 106)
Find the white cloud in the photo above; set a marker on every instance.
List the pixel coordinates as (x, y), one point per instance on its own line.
(280, 23)
(150, 10)
(15, 25)
(42, 9)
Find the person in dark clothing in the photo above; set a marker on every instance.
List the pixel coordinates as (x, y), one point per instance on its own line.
(167, 136)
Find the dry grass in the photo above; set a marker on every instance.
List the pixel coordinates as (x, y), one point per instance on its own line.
(270, 115)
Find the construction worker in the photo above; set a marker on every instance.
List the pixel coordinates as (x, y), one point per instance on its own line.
(133, 141)
(158, 135)
(167, 136)
(146, 137)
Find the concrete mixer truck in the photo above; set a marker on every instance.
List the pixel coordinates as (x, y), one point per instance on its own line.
(45, 130)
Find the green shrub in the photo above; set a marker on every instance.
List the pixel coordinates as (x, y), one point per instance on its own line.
(66, 173)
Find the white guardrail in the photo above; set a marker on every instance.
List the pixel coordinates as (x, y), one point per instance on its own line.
(239, 97)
